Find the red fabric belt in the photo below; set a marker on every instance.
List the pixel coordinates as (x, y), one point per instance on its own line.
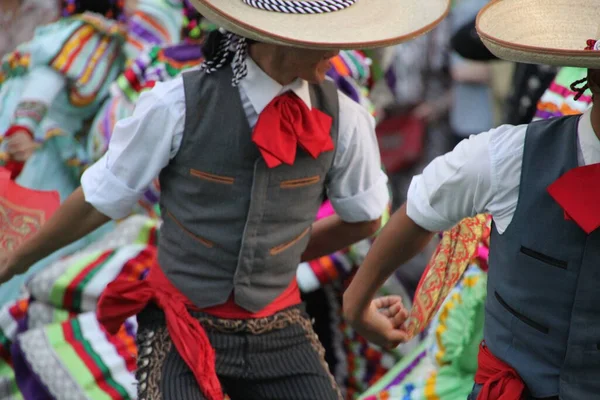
(124, 298)
(500, 381)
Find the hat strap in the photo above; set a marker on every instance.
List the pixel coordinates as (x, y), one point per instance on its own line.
(239, 45)
(301, 7)
(223, 56)
(578, 89)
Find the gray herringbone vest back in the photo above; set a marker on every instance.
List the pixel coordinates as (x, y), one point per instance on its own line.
(542, 309)
(231, 224)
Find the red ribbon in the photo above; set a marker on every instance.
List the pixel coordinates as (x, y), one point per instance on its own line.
(287, 123)
(591, 44)
(124, 298)
(500, 381)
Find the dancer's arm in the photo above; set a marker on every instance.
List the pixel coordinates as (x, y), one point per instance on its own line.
(73, 220)
(356, 185)
(471, 72)
(457, 185)
(331, 234)
(35, 103)
(139, 149)
(23, 134)
(398, 242)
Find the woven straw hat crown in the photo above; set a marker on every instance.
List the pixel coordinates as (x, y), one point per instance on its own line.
(554, 32)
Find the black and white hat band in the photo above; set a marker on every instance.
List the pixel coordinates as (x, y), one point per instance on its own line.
(301, 7)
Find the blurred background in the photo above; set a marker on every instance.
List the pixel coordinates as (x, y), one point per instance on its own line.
(71, 69)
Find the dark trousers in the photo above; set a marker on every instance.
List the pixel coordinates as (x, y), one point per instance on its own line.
(323, 310)
(274, 358)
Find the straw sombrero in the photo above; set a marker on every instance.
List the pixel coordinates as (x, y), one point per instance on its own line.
(326, 24)
(553, 32)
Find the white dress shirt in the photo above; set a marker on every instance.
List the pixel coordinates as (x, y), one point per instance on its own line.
(142, 145)
(482, 175)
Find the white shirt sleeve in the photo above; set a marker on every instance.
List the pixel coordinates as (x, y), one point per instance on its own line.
(140, 147)
(53, 83)
(357, 185)
(481, 175)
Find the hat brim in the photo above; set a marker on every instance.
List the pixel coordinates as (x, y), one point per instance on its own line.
(541, 31)
(364, 25)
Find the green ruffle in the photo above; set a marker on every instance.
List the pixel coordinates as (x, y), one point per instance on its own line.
(458, 326)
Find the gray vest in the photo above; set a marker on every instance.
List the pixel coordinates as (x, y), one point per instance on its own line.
(231, 224)
(543, 304)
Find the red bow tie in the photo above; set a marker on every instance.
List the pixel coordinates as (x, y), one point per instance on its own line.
(578, 193)
(287, 123)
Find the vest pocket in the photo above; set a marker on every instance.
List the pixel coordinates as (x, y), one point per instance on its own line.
(206, 243)
(227, 180)
(531, 323)
(544, 258)
(283, 247)
(298, 183)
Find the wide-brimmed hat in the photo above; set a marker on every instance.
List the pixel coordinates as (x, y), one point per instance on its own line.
(553, 32)
(326, 24)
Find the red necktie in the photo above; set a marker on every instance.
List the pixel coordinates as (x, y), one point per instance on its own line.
(578, 193)
(287, 123)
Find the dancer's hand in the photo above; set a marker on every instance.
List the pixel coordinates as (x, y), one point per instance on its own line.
(431, 111)
(382, 322)
(10, 265)
(20, 146)
(425, 112)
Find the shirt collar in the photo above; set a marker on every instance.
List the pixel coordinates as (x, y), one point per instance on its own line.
(261, 88)
(589, 142)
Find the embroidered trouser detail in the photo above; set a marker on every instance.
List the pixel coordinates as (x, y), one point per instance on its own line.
(320, 350)
(274, 358)
(153, 347)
